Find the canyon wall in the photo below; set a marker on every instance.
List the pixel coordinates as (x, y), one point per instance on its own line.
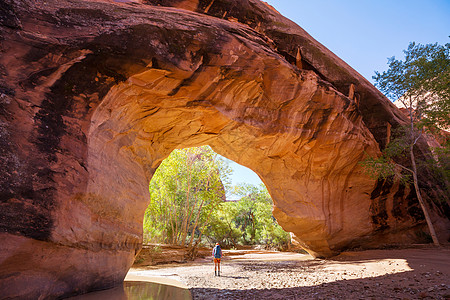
(95, 94)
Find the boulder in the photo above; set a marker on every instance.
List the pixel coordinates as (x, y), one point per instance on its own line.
(95, 94)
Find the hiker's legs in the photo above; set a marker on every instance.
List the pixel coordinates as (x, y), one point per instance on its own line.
(215, 267)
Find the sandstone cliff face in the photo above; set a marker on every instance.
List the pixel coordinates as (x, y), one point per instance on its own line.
(95, 94)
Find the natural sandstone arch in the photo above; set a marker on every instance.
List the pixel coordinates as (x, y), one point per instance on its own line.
(304, 140)
(96, 94)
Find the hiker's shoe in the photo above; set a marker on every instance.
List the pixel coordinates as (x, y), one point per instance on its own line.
(218, 273)
(215, 273)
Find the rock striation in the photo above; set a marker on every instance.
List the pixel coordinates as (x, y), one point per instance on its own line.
(95, 94)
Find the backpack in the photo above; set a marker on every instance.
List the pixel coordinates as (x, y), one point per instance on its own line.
(217, 252)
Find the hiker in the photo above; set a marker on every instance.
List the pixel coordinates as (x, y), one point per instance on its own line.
(217, 254)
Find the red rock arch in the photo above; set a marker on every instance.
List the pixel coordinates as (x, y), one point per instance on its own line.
(97, 94)
(304, 139)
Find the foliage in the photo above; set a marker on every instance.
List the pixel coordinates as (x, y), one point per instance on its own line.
(421, 82)
(185, 189)
(248, 221)
(188, 205)
(385, 166)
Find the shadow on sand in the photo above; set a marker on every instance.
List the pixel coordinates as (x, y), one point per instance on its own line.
(427, 278)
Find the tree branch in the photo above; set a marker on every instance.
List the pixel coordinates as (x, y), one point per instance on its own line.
(415, 141)
(404, 168)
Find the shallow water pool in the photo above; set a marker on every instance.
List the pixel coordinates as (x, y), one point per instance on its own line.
(138, 290)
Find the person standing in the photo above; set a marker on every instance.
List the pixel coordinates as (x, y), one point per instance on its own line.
(217, 254)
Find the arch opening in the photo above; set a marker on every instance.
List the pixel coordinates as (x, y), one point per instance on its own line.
(194, 204)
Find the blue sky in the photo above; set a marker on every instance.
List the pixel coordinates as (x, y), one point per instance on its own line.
(242, 174)
(364, 33)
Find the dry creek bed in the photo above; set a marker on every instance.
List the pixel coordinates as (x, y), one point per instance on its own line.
(373, 274)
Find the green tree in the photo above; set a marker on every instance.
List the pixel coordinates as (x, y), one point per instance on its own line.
(222, 227)
(421, 82)
(185, 189)
(258, 222)
(248, 221)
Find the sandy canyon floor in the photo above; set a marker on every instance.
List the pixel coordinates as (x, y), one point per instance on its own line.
(374, 274)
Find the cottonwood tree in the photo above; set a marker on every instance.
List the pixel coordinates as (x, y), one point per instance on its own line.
(185, 189)
(247, 221)
(421, 83)
(256, 206)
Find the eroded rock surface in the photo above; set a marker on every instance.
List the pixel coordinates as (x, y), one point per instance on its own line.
(95, 94)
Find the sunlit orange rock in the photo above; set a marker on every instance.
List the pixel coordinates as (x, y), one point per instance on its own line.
(95, 94)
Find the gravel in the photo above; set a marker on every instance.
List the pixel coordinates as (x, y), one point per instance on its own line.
(376, 274)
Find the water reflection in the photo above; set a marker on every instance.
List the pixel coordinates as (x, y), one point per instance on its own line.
(138, 290)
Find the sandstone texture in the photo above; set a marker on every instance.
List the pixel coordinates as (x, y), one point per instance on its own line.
(95, 94)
